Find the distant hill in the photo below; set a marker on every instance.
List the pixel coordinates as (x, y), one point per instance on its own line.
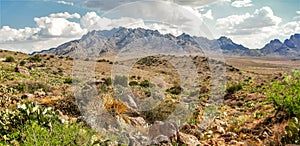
(110, 42)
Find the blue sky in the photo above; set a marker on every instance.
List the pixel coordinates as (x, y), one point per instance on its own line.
(36, 25)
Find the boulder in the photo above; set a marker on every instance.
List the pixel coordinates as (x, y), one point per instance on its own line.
(137, 121)
(187, 139)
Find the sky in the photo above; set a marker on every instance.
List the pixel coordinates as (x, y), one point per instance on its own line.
(34, 25)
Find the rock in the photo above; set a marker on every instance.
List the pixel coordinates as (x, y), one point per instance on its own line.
(219, 122)
(187, 139)
(27, 96)
(167, 129)
(234, 142)
(130, 101)
(264, 135)
(218, 141)
(210, 132)
(160, 139)
(220, 130)
(137, 121)
(229, 134)
(39, 93)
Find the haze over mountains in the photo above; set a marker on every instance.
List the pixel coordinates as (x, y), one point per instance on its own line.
(110, 42)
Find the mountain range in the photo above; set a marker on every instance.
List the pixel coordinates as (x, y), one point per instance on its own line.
(110, 42)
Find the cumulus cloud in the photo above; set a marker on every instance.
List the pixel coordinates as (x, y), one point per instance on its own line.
(252, 30)
(290, 28)
(50, 31)
(57, 25)
(10, 34)
(92, 21)
(65, 15)
(242, 3)
(65, 3)
(248, 23)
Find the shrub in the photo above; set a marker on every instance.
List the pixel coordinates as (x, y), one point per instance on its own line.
(22, 63)
(35, 58)
(12, 122)
(31, 124)
(285, 94)
(175, 90)
(107, 81)
(9, 59)
(234, 88)
(68, 81)
(32, 86)
(60, 134)
(291, 135)
(145, 84)
(133, 83)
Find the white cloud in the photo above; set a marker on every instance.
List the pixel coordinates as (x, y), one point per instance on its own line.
(242, 3)
(208, 15)
(65, 15)
(10, 34)
(248, 23)
(297, 17)
(91, 21)
(251, 30)
(65, 3)
(56, 26)
(51, 31)
(290, 28)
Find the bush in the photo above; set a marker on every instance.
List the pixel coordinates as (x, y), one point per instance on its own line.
(234, 88)
(22, 63)
(145, 84)
(60, 134)
(9, 59)
(107, 81)
(35, 58)
(32, 86)
(68, 81)
(175, 90)
(133, 83)
(31, 124)
(285, 95)
(12, 122)
(291, 134)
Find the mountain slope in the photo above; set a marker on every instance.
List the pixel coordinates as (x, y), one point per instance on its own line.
(111, 42)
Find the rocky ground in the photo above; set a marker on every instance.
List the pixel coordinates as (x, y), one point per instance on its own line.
(243, 117)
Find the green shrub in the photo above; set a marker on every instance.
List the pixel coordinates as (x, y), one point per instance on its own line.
(145, 84)
(107, 81)
(31, 124)
(234, 88)
(9, 59)
(13, 121)
(35, 58)
(68, 81)
(175, 90)
(32, 86)
(60, 134)
(285, 94)
(133, 83)
(22, 63)
(291, 134)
